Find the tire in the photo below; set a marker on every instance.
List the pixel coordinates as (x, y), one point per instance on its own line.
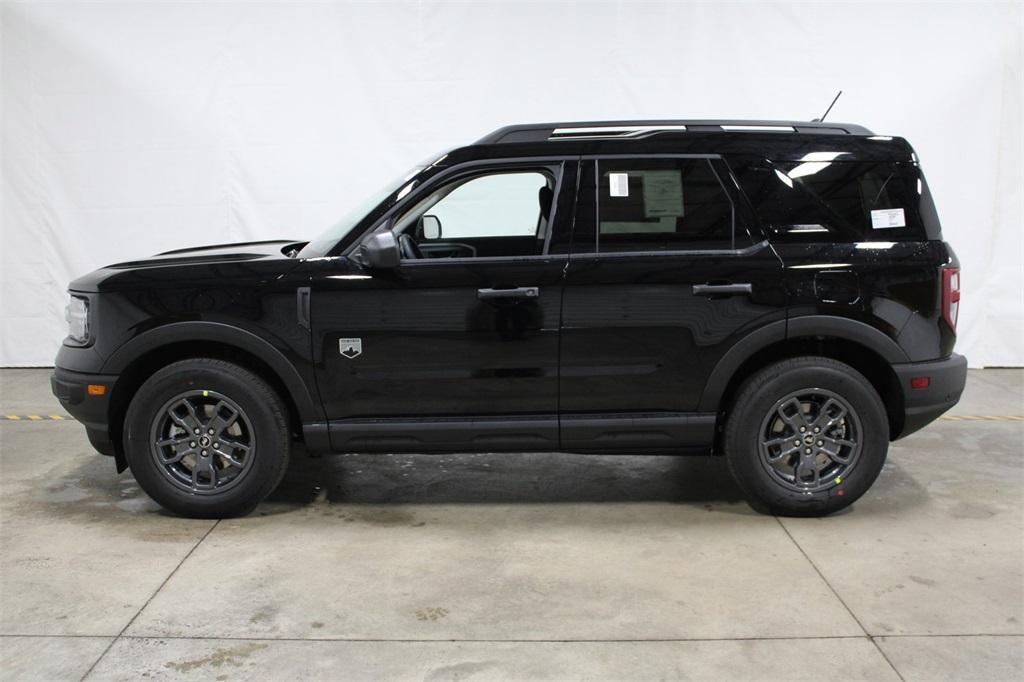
(202, 474)
(788, 472)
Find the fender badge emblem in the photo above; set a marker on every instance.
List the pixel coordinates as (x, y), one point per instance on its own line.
(350, 348)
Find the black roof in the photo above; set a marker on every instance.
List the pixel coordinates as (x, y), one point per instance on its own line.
(539, 132)
(776, 140)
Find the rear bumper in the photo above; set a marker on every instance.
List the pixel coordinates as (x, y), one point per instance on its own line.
(71, 389)
(946, 380)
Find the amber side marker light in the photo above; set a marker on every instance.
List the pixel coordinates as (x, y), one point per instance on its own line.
(920, 382)
(96, 389)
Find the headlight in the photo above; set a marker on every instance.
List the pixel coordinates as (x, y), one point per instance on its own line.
(77, 315)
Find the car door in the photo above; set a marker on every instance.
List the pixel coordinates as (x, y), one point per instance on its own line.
(664, 278)
(457, 347)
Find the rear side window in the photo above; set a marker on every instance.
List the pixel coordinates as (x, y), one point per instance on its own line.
(661, 204)
(825, 199)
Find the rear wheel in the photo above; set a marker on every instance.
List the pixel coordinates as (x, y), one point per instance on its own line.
(206, 438)
(806, 437)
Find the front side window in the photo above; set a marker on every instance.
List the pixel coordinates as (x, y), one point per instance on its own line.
(661, 205)
(497, 213)
(501, 205)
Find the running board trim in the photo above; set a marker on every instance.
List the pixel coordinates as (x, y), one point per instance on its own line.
(613, 432)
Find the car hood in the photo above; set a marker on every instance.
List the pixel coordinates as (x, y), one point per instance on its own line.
(184, 260)
(216, 252)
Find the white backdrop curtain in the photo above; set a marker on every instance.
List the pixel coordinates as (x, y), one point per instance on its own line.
(132, 128)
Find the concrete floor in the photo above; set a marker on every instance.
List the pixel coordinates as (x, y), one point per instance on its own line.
(516, 566)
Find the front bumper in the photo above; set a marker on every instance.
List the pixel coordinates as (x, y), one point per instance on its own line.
(71, 389)
(946, 380)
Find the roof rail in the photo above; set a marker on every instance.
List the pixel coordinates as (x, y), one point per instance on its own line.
(605, 130)
(585, 132)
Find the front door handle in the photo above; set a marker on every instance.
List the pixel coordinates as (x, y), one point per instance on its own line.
(517, 292)
(721, 289)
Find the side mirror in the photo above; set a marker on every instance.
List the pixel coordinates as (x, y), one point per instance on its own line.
(380, 251)
(430, 227)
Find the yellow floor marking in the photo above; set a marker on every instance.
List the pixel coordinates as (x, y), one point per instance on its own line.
(984, 417)
(36, 418)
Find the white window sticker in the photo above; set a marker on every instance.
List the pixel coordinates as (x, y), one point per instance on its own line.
(618, 184)
(888, 217)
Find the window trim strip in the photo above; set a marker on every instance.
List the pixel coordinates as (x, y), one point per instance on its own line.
(591, 255)
(745, 251)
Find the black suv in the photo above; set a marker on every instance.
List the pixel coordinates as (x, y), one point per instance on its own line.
(775, 291)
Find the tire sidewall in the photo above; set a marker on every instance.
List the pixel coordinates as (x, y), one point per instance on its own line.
(251, 394)
(762, 393)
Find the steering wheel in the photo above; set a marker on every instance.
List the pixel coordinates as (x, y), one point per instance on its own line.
(407, 248)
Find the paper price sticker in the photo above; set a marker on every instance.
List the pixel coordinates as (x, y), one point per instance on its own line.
(888, 218)
(618, 184)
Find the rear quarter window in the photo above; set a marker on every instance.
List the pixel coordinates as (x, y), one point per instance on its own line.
(825, 199)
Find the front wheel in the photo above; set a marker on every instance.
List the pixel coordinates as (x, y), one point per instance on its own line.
(806, 437)
(206, 438)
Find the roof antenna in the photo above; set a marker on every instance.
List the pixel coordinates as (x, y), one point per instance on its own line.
(819, 120)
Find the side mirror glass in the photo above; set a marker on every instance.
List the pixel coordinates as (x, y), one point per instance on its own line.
(430, 227)
(380, 250)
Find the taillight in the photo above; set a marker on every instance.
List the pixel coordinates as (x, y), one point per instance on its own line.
(950, 295)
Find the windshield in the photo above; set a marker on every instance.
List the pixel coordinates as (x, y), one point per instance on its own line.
(332, 235)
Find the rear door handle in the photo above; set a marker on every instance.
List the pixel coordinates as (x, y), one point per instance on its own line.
(517, 292)
(721, 289)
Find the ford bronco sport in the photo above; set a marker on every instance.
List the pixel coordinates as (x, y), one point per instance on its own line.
(777, 292)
